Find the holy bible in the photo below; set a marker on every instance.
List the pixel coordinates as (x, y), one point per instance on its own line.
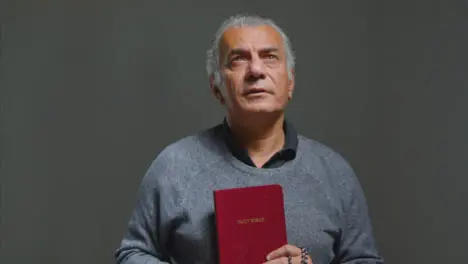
(250, 223)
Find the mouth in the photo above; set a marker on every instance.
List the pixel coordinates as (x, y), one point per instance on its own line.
(255, 91)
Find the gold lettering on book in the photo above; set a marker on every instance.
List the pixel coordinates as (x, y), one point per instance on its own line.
(251, 220)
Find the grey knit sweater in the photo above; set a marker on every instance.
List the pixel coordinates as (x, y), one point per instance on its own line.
(173, 220)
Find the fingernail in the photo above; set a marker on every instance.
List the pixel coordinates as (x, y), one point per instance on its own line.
(268, 257)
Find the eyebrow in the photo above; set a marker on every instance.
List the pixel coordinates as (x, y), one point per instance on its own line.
(242, 51)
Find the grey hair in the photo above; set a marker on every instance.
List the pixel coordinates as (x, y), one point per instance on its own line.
(213, 60)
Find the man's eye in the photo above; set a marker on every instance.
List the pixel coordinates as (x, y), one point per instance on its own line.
(236, 60)
(272, 57)
(239, 58)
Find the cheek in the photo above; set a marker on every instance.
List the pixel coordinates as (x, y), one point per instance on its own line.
(282, 82)
(231, 91)
(234, 82)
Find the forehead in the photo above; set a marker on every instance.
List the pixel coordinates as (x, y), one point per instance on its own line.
(251, 38)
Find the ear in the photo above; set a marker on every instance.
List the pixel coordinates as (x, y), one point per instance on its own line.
(216, 91)
(291, 84)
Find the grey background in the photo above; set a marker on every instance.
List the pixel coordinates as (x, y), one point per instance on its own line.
(92, 90)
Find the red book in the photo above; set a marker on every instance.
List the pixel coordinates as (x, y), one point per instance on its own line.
(250, 223)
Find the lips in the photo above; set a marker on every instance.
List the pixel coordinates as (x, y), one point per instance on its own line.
(255, 91)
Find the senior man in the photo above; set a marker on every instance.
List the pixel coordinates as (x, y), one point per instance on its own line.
(251, 72)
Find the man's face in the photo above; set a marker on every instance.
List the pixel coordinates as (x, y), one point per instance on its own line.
(253, 62)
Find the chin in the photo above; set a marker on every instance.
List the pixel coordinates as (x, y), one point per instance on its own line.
(265, 109)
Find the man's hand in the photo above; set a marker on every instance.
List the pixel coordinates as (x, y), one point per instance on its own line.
(280, 255)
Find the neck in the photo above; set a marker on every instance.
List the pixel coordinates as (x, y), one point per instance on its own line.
(260, 136)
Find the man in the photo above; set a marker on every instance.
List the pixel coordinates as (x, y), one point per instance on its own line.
(251, 71)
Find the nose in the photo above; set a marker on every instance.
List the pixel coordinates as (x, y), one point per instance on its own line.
(256, 68)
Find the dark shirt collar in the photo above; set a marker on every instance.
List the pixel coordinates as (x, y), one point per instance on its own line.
(287, 153)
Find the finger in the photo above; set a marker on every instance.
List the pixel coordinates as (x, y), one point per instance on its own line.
(284, 251)
(282, 260)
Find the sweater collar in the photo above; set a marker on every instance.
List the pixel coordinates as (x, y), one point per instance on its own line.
(288, 152)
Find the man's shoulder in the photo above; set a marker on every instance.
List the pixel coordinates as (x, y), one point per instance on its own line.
(318, 148)
(322, 152)
(201, 146)
(335, 168)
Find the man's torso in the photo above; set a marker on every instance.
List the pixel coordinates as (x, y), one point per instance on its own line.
(312, 207)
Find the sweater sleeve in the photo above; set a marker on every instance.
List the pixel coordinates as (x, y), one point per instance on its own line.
(357, 244)
(147, 231)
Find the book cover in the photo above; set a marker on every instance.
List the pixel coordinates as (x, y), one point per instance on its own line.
(250, 223)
